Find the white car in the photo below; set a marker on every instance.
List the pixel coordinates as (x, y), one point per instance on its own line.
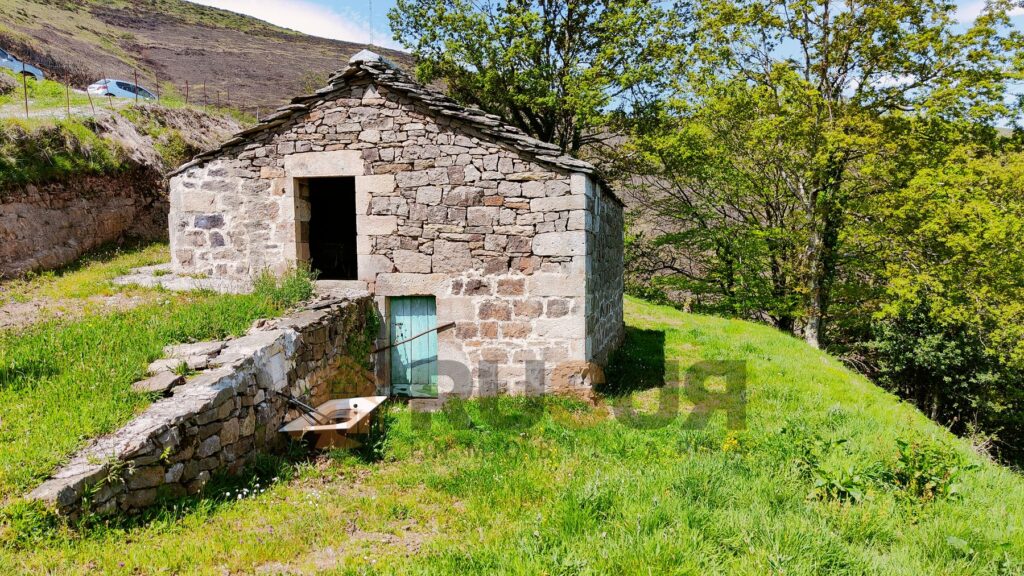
(119, 89)
(8, 61)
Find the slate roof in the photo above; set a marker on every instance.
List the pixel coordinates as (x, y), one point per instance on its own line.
(386, 74)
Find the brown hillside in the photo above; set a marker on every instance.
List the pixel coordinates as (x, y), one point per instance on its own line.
(248, 61)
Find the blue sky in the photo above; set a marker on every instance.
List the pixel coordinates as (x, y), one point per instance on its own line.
(362, 21)
(366, 20)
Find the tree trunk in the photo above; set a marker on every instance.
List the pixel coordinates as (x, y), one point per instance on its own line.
(822, 253)
(815, 303)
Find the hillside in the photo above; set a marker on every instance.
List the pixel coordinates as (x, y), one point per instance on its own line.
(830, 475)
(170, 41)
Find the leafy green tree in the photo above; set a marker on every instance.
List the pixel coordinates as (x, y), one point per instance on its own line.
(949, 331)
(785, 115)
(551, 67)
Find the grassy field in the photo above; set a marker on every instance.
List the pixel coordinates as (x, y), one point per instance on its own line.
(817, 482)
(64, 382)
(88, 276)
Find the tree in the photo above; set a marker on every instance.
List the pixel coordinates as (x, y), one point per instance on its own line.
(814, 106)
(553, 68)
(949, 331)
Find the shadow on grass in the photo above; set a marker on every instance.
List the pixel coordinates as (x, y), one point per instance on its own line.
(99, 255)
(23, 373)
(639, 364)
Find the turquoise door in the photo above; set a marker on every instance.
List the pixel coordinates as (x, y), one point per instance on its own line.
(413, 362)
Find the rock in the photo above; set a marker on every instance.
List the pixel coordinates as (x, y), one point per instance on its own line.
(196, 485)
(195, 349)
(174, 473)
(164, 365)
(560, 244)
(209, 446)
(412, 261)
(229, 433)
(7, 84)
(197, 362)
(147, 477)
(140, 498)
(160, 384)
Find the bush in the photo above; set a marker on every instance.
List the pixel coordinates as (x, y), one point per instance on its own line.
(922, 472)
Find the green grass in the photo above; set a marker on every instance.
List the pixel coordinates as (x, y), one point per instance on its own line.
(44, 93)
(34, 151)
(39, 150)
(64, 382)
(571, 491)
(88, 276)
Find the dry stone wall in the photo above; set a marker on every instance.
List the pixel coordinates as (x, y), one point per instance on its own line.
(46, 226)
(218, 419)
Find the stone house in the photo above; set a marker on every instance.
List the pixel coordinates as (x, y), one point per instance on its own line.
(447, 216)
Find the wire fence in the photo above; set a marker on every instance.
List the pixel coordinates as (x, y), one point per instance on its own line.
(54, 97)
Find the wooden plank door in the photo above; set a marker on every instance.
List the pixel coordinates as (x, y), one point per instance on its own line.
(413, 363)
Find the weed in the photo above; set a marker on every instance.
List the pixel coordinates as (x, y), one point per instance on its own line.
(38, 153)
(294, 286)
(182, 369)
(928, 471)
(27, 523)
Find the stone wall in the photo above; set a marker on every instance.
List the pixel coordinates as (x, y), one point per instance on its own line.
(605, 282)
(222, 416)
(46, 226)
(499, 239)
(425, 187)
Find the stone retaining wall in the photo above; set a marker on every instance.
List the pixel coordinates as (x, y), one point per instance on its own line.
(222, 416)
(46, 226)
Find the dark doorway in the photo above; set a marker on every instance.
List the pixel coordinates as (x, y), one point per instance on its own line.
(332, 227)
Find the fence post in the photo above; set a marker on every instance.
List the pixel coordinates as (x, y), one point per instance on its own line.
(110, 99)
(186, 92)
(91, 105)
(136, 87)
(206, 98)
(24, 86)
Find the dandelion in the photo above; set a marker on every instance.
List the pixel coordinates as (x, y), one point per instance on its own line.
(731, 444)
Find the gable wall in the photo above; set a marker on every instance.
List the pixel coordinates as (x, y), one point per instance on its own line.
(498, 239)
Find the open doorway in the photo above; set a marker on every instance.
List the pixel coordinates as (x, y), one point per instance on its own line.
(331, 228)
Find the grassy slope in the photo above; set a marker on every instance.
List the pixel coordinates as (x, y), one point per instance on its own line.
(578, 493)
(63, 382)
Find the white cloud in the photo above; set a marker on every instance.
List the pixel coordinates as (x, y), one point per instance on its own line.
(308, 18)
(969, 12)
